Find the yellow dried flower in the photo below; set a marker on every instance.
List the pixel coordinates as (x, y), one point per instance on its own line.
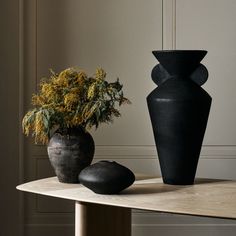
(91, 91)
(70, 99)
(89, 111)
(82, 75)
(76, 121)
(63, 78)
(100, 74)
(42, 138)
(60, 109)
(27, 122)
(38, 100)
(76, 90)
(39, 126)
(81, 78)
(66, 73)
(47, 92)
(26, 125)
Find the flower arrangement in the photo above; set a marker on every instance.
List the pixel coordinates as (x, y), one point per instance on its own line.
(71, 99)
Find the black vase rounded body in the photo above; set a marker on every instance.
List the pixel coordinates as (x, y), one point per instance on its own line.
(106, 177)
(70, 152)
(179, 110)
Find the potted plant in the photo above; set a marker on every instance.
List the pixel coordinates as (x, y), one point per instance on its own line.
(67, 105)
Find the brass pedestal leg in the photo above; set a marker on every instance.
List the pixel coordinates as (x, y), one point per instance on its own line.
(101, 220)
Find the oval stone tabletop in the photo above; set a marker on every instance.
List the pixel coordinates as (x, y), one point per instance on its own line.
(208, 197)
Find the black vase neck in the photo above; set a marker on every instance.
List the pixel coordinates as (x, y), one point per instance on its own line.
(180, 63)
(179, 77)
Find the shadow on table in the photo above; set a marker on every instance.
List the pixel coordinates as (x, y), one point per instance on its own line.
(208, 181)
(150, 188)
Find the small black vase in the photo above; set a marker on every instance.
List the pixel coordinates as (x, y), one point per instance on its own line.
(179, 110)
(106, 177)
(70, 151)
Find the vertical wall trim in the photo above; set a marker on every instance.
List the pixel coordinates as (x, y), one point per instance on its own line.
(36, 44)
(169, 24)
(173, 24)
(27, 10)
(21, 112)
(162, 24)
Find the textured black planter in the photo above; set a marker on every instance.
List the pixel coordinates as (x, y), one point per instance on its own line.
(106, 177)
(179, 110)
(69, 153)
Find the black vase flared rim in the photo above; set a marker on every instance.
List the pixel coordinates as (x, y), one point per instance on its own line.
(180, 62)
(180, 51)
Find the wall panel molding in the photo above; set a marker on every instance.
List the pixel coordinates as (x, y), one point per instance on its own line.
(215, 161)
(52, 229)
(147, 152)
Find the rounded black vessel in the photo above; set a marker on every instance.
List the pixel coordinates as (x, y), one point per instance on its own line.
(69, 152)
(106, 177)
(179, 110)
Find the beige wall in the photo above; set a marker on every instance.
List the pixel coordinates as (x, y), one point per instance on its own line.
(210, 25)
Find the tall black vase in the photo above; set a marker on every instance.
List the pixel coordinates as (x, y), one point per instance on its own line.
(179, 110)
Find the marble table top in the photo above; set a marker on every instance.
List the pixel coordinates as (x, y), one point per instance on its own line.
(207, 197)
